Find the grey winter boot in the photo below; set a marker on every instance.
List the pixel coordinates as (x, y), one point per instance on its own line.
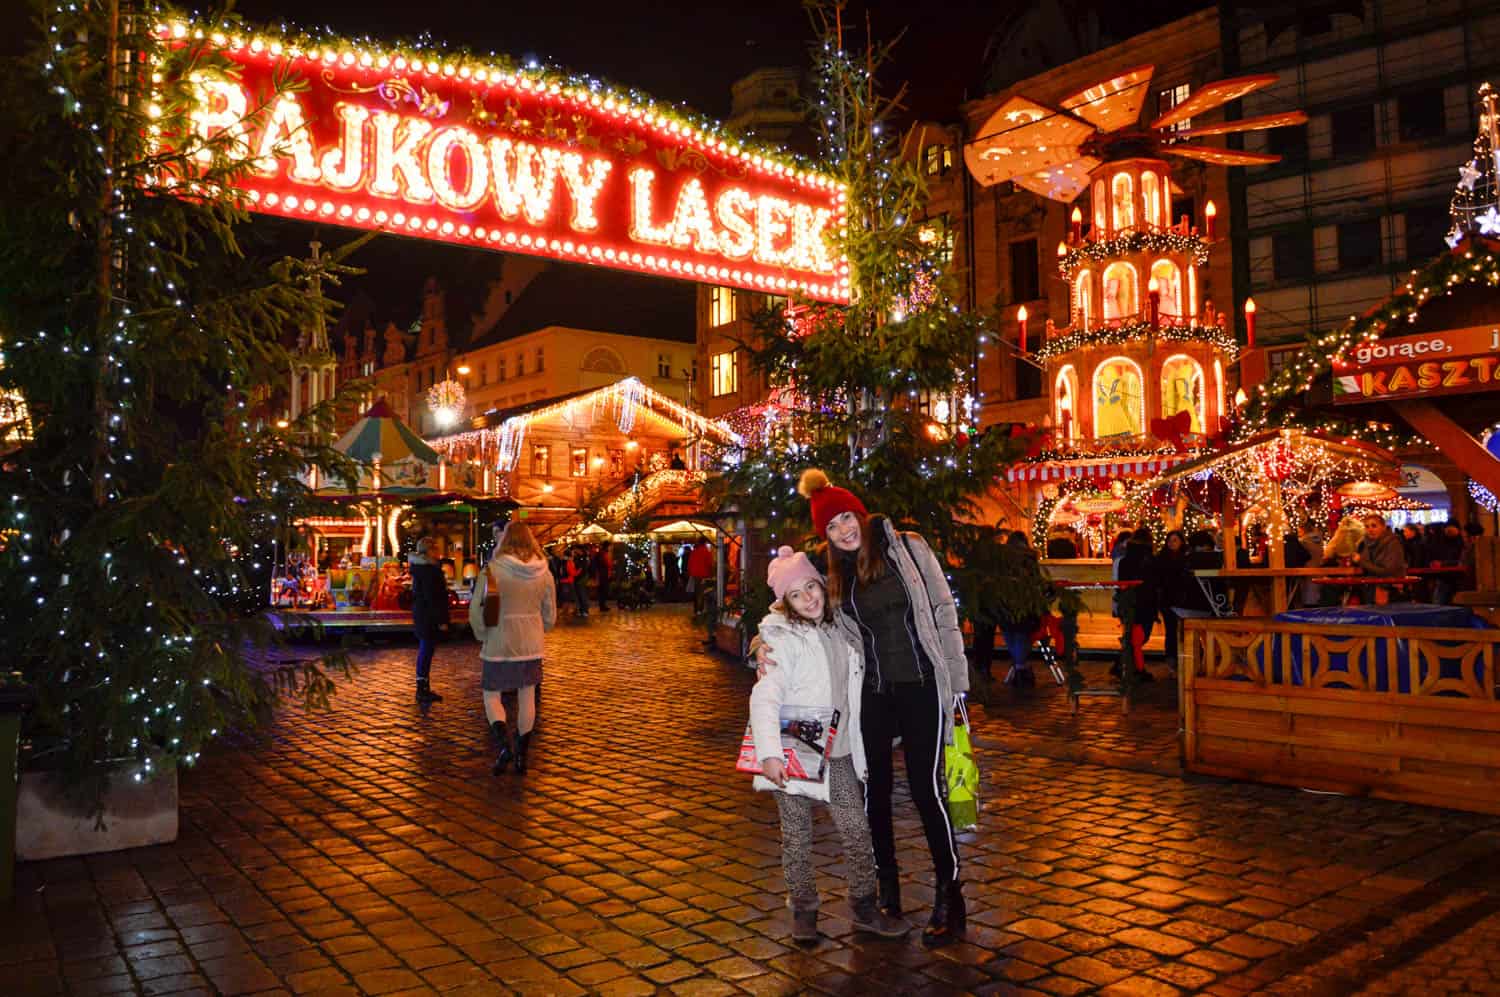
(805, 926)
(874, 921)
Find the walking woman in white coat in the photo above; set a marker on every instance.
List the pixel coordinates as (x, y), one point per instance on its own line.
(513, 641)
(819, 669)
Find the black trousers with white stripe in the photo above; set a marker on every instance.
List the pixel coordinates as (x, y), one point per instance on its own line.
(910, 711)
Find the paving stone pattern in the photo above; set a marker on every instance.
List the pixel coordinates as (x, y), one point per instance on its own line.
(367, 850)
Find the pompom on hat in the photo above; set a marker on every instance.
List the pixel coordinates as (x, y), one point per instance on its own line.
(789, 569)
(827, 500)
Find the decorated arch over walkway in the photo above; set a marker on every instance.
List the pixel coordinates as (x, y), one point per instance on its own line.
(475, 151)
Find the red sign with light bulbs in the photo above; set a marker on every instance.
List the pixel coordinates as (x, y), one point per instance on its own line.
(460, 152)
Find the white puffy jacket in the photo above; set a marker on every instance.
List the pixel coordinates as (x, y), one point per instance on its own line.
(528, 609)
(802, 677)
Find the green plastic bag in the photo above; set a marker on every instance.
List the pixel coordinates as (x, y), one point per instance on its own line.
(963, 775)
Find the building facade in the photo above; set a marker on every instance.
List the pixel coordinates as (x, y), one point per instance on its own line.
(1361, 195)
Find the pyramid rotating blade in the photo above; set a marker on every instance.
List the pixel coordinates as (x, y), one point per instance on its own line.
(1115, 103)
(1222, 157)
(1214, 95)
(1060, 183)
(1024, 137)
(1247, 124)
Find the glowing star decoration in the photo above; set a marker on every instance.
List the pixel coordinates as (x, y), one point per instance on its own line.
(1467, 174)
(459, 150)
(1489, 221)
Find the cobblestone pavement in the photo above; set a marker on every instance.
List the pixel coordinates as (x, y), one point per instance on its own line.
(368, 850)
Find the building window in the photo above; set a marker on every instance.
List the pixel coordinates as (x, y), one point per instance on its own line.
(580, 462)
(720, 305)
(1290, 143)
(938, 159)
(724, 374)
(484, 374)
(938, 234)
(1422, 114)
(1122, 195)
(1025, 274)
(520, 365)
(1353, 131)
(1426, 229)
(1122, 292)
(500, 369)
(541, 360)
(1168, 287)
(1359, 244)
(774, 301)
(1170, 98)
(1292, 256)
(1065, 409)
(1183, 207)
(664, 365)
(1182, 390)
(367, 369)
(540, 453)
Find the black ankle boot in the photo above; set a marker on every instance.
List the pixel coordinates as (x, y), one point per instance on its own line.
(506, 754)
(949, 916)
(889, 897)
(425, 693)
(523, 743)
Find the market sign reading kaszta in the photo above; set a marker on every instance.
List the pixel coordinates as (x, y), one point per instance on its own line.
(1451, 362)
(464, 153)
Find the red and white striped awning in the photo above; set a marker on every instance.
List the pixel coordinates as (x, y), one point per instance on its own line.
(1099, 468)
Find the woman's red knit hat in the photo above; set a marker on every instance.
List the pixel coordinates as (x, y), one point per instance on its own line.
(827, 500)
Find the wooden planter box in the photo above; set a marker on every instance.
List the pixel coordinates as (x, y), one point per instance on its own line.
(1432, 737)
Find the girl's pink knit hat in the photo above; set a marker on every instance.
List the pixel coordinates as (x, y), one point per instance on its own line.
(789, 569)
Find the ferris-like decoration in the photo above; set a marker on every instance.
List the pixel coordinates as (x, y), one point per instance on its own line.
(446, 400)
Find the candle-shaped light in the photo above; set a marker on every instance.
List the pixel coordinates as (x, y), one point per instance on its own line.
(1153, 302)
(1062, 250)
(1249, 321)
(1240, 399)
(1075, 225)
(1021, 325)
(1210, 212)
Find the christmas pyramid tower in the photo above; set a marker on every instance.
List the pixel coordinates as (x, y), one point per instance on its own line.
(1475, 208)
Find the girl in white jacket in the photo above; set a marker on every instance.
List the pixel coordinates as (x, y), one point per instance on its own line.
(819, 668)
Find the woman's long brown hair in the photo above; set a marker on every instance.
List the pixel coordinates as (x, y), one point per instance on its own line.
(869, 561)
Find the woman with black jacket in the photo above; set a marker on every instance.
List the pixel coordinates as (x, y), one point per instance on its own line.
(1139, 565)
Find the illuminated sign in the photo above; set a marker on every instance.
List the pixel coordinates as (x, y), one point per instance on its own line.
(462, 152)
(1451, 362)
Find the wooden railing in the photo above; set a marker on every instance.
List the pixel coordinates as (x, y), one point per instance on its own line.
(1407, 713)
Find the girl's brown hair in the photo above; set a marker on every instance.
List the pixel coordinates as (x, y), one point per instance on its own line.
(518, 542)
(869, 561)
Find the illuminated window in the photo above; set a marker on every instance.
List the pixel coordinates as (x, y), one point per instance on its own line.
(1182, 389)
(540, 455)
(1119, 406)
(1101, 216)
(1218, 389)
(664, 365)
(580, 462)
(541, 360)
(1065, 410)
(938, 159)
(1170, 98)
(720, 305)
(1122, 292)
(1151, 199)
(1084, 298)
(1169, 285)
(1122, 194)
(937, 233)
(724, 374)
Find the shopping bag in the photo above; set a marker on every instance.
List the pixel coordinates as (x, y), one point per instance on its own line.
(963, 775)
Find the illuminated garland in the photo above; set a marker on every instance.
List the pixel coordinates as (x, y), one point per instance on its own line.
(1108, 250)
(1071, 488)
(1134, 453)
(642, 493)
(1486, 499)
(1216, 336)
(446, 400)
(1474, 261)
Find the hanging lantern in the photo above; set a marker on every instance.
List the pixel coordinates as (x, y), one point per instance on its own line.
(1366, 491)
(445, 400)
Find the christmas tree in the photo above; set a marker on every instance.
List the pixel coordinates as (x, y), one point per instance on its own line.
(140, 487)
(880, 393)
(1473, 210)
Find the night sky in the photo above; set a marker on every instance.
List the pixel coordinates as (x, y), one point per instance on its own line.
(682, 52)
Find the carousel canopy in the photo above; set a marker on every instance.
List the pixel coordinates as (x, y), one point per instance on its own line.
(381, 435)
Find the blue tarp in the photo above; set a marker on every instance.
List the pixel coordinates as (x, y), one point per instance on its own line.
(1402, 614)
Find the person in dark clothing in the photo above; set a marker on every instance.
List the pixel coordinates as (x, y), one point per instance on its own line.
(429, 612)
(1297, 556)
(603, 568)
(1061, 548)
(578, 575)
(671, 572)
(1139, 565)
(1414, 546)
(1172, 579)
(677, 462)
(1018, 632)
